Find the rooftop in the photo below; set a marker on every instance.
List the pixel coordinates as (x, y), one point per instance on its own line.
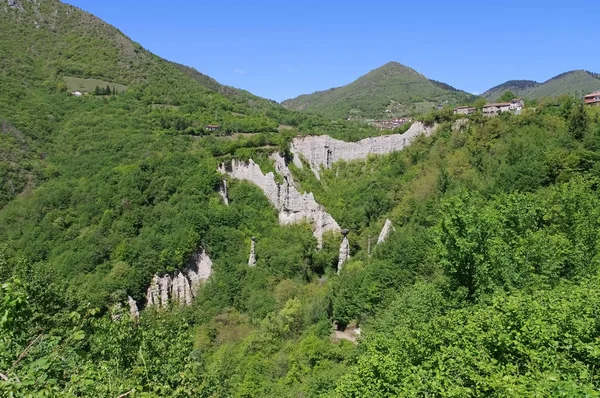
(498, 104)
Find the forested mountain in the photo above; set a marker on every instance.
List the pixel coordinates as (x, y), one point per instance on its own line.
(487, 287)
(232, 93)
(576, 83)
(390, 90)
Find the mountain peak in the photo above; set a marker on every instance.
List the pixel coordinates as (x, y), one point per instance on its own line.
(575, 82)
(573, 73)
(394, 65)
(392, 90)
(395, 68)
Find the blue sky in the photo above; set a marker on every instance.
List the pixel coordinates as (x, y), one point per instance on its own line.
(280, 49)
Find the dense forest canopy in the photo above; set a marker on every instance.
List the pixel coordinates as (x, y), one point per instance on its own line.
(488, 285)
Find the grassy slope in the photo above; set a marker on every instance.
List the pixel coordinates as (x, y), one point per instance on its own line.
(372, 93)
(89, 85)
(69, 42)
(576, 83)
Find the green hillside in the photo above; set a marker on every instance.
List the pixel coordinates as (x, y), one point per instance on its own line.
(576, 83)
(232, 93)
(488, 286)
(91, 85)
(393, 87)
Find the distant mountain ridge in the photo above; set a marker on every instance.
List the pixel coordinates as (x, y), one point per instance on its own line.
(576, 83)
(390, 90)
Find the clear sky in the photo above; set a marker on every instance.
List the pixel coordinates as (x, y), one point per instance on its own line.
(280, 49)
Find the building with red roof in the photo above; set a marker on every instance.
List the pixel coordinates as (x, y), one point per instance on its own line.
(593, 99)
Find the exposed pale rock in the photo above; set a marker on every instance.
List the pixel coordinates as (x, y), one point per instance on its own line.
(153, 292)
(252, 258)
(15, 4)
(385, 231)
(344, 253)
(323, 151)
(297, 162)
(319, 151)
(199, 271)
(181, 292)
(250, 171)
(133, 308)
(223, 192)
(164, 287)
(292, 205)
(183, 286)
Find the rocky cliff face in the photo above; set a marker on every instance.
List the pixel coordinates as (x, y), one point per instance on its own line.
(292, 205)
(323, 151)
(224, 193)
(133, 308)
(344, 253)
(319, 151)
(385, 231)
(252, 257)
(182, 286)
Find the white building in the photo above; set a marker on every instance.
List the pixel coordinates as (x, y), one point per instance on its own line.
(514, 106)
(517, 104)
(593, 99)
(496, 108)
(464, 110)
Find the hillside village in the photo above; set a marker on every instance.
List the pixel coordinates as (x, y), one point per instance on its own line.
(515, 106)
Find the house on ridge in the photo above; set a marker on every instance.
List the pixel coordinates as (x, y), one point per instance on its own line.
(496, 108)
(464, 110)
(515, 106)
(593, 99)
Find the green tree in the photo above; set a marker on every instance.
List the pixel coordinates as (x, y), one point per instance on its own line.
(14, 307)
(507, 96)
(578, 121)
(479, 103)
